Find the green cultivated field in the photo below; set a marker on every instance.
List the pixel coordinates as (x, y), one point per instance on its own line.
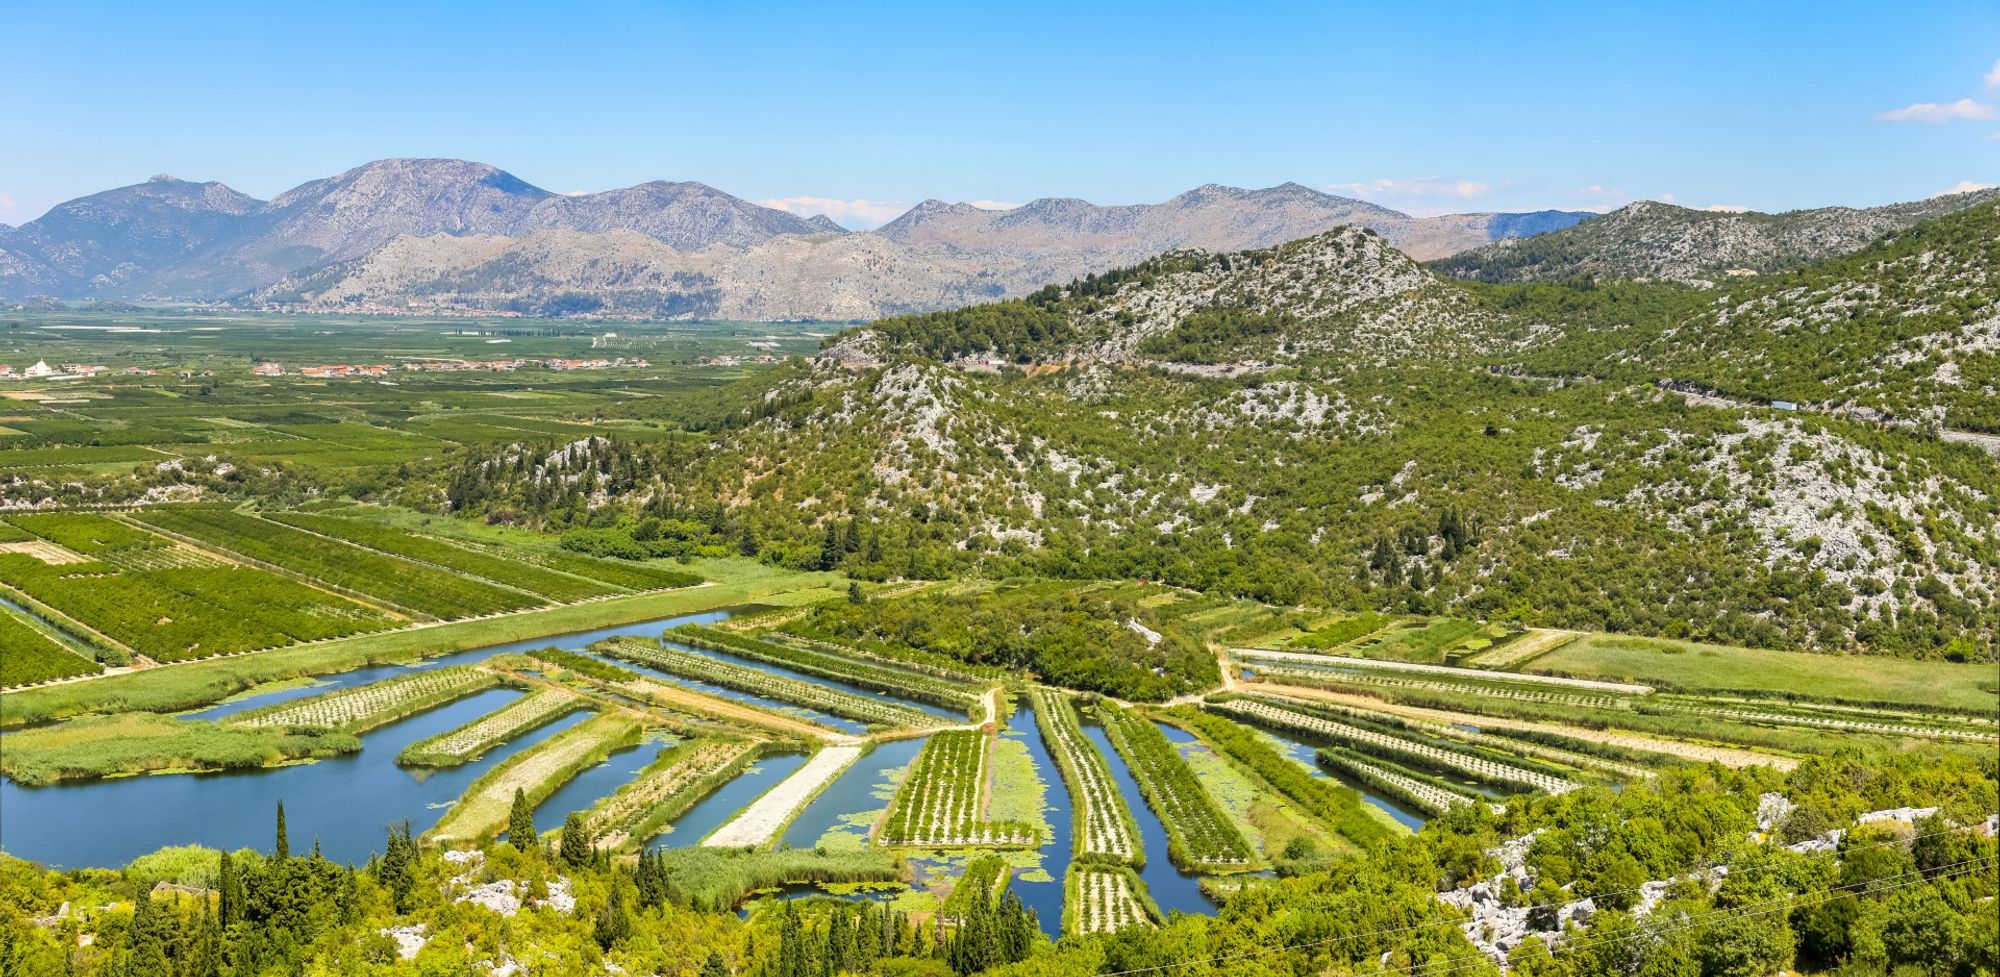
(1689, 666)
(194, 684)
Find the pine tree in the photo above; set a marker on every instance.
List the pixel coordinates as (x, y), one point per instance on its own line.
(854, 595)
(284, 849)
(576, 850)
(716, 966)
(521, 822)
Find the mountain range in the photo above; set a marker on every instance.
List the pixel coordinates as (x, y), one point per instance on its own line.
(1650, 240)
(457, 234)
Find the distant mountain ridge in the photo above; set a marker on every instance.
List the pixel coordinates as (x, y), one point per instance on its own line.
(681, 249)
(1652, 240)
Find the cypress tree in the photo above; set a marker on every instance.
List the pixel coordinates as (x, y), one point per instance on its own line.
(230, 886)
(521, 822)
(830, 549)
(284, 849)
(614, 924)
(395, 871)
(716, 966)
(149, 950)
(576, 850)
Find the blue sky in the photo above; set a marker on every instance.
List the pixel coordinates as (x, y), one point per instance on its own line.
(863, 110)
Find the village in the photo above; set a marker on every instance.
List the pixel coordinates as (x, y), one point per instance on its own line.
(334, 371)
(67, 371)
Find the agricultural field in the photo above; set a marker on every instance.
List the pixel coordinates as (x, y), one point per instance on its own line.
(536, 772)
(32, 655)
(1267, 773)
(1103, 827)
(682, 775)
(1693, 667)
(363, 708)
(129, 591)
(1101, 899)
(492, 568)
(982, 881)
(404, 585)
(532, 711)
(1401, 749)
(942, 801)
(874, 712)
(1200, 836)
(905, 682)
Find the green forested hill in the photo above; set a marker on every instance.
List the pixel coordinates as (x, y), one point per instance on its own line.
(1327, 422)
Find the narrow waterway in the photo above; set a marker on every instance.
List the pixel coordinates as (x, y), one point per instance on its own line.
(574, 641)
(1046, 898)
(347, 803)
(1307, 755)
(710, 813)
(860, 792)
(1172, 890)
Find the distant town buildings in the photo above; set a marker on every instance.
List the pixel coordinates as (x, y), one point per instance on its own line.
(333, 371)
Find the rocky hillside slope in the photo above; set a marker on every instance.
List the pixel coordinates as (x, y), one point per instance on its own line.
(1329, 420)
(1656, 241)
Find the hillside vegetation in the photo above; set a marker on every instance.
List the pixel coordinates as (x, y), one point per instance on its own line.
(1329, 422)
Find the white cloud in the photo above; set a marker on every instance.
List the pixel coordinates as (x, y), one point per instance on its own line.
(1665, 198)
(1423, 196)
(1964, 186)
(856, 214)
(7, 208)
(992, 205)
(1600, 198)
(1727, 208)
(1932, 113)
(1993, 78)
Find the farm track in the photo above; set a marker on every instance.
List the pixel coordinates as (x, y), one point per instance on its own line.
(1471, 674)
(1726, 755)
(757, 824)
(733, 712)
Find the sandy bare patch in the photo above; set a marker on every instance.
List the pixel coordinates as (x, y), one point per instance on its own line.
(765, 815)
(44, 551)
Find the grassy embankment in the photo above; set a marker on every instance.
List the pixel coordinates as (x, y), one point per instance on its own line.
(538, 772)
(716, 879)
(103, 746)
(194, 684)
(1693, 667)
